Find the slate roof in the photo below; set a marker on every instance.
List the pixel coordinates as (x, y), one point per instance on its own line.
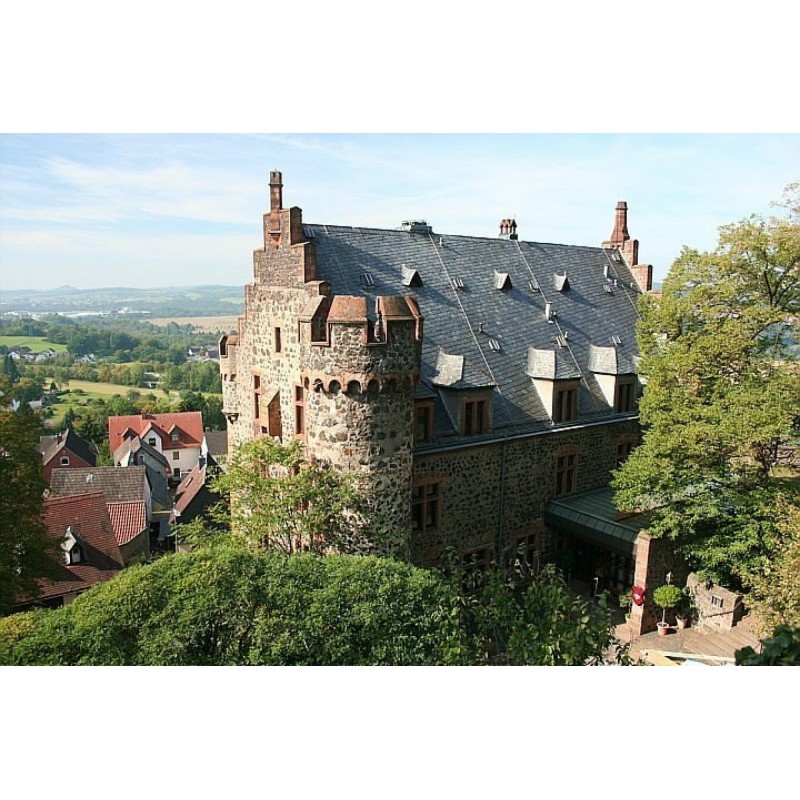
(88, 517)
(187, 490)
(118, 484)
(136, 444)
(479, 334)
(128, 519)
(190, 422)
(51, 446)
(217, 442)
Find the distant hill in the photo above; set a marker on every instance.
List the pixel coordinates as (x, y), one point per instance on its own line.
(174, 301)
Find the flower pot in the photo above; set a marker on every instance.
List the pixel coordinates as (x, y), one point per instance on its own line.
(663, 628)
(683, 622)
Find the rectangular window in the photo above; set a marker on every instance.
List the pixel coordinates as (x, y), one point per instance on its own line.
(565, 406)
(566, 473)
(176, 454)
(475, 562)
(717, 602)
(278, 343)
(624, 449)
(176, 472)
(423, 422)
(475, 417)
(64, 461)
(626, 396)
(299, 411)
(152, 441)
(425, 507)
(256, 396)
(176, 437)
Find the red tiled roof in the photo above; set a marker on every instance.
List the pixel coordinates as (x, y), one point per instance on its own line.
(190, 423)
(128, 520)
(88, 516)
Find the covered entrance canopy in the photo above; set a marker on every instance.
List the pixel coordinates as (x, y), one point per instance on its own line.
(592, 516)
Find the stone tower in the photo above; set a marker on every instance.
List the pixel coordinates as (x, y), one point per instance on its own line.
(336, 371)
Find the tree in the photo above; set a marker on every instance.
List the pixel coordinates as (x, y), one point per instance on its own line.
(282, 502)
(775, 589)
(722, 393)
(10, 370)
(782, 649)
(27, 552)
(513, 618)
(228, 604)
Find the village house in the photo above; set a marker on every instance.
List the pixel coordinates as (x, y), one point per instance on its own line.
(481, 388)
(88, 548)
(178, 437)
(66, 449)
(134, 484)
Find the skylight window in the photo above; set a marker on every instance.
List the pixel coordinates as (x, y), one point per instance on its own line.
(367, 279)
(457, 283)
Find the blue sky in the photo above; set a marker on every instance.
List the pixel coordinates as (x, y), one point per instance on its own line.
(177, 209)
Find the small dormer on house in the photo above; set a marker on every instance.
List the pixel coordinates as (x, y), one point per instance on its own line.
(73, 547)
(614, 369)
(556, 379)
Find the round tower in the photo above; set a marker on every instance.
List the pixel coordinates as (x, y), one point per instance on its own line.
(360, 369)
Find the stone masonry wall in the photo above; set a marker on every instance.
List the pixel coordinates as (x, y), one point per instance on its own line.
(494, 493)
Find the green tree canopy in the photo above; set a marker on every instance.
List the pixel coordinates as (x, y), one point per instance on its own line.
(227, 604)
(722, 393)
(281, 501)
(27, 552)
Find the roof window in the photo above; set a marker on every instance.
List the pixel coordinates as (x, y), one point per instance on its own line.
(367, 279)
(561, 282)
(502, 280)
(457, 283)
(411, 277)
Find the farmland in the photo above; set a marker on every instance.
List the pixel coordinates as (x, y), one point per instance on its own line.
(36, 343)
(218, 324)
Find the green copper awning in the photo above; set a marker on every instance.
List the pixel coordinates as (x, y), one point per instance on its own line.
(594, 517)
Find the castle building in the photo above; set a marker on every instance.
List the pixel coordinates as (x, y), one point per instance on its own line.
(477, 385)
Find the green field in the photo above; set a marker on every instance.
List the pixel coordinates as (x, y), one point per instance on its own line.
(36, 343)
(94, 391)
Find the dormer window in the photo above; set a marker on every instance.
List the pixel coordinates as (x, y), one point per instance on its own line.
(625, 399)
(175, 436)
(565, 401)
(151, 441)
(71, 547)
(423, 421)
(475, 416)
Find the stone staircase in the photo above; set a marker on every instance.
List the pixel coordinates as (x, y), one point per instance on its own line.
(696, 641)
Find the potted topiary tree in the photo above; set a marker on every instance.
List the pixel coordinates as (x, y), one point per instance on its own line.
(666, 596)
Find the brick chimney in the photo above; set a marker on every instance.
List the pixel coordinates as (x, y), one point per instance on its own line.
(508, 229)
(620, 233)
(629, 248)
(275, 205)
